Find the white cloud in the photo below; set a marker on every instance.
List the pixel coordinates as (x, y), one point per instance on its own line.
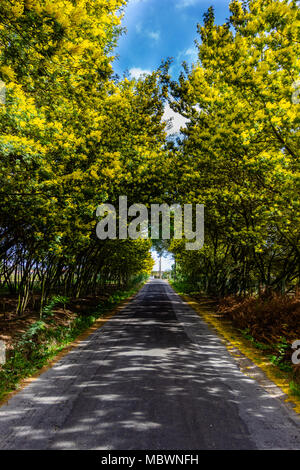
(154, 35)
(167, 261)
(186, 3)
(136, 72)
(177, 122)
(138, 28)
(190, 55)
(197, 108)
(133, 3)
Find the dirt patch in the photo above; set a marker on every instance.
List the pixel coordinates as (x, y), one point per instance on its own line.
(12, 327)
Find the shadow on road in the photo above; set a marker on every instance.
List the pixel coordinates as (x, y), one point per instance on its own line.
(154, 377)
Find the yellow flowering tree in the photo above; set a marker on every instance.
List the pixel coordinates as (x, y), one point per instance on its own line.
(71, 137)
(240, 154)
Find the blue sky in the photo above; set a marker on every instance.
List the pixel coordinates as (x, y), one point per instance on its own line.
(158, 29)
(166, 261)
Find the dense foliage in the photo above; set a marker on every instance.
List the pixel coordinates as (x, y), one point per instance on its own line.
(240, 151)
(72, 136)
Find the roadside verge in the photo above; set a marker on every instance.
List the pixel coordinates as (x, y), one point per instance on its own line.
(14, 379)
(251, 360)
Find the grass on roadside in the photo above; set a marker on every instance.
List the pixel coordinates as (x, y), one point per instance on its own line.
(274, 358)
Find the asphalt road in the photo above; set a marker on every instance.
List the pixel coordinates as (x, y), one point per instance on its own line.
(154, 377)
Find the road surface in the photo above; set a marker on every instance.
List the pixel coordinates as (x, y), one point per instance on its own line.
(154, 377)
